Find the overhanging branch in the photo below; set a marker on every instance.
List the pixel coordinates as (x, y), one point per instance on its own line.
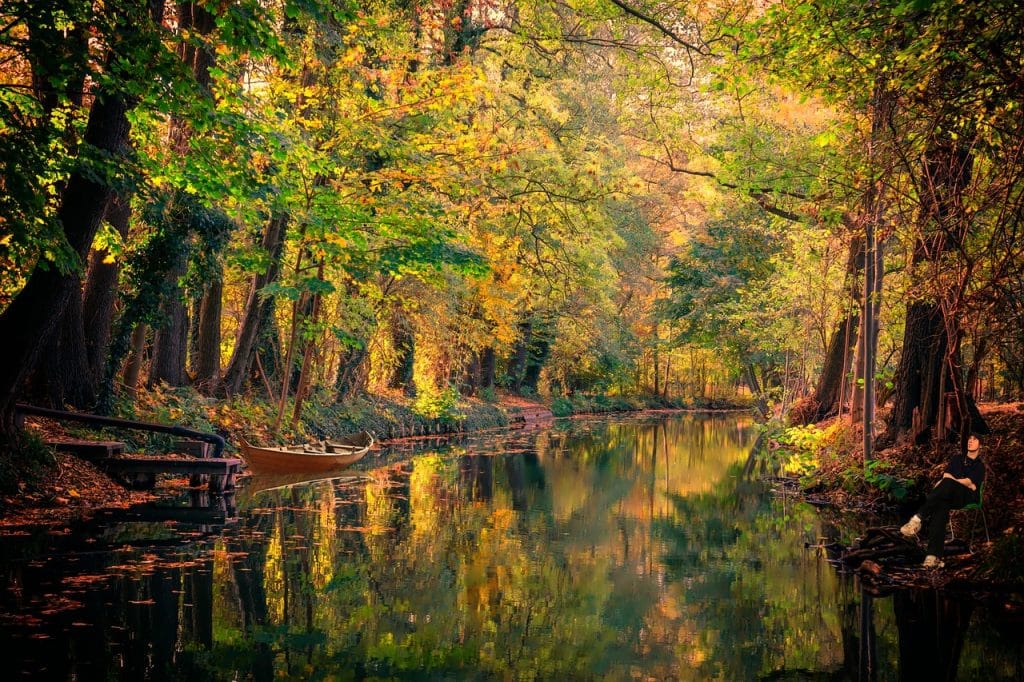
(647, 19)
(761, 195)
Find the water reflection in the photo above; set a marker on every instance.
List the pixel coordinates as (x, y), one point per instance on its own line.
(604, 549)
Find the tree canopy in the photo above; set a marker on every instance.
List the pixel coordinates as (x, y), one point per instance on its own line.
(313, 199)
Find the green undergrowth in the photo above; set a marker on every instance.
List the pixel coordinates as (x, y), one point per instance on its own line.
(827, 458)
(391, 418)
(254, 418)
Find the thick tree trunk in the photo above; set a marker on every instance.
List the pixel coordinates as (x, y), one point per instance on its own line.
(304, 311)
(405, 346)
(64, 379)
(306, 371)
(488, 362)
(469, 383)
(78, 350)
(920, 374)
(258, 309)
(133, 366)
(170, 343)
(838, 357)
(101, 291)
(352, 373)
(207, 360)
(828, 392)
(268, 356)
(34, 313)
(536, 358)
(520, 355)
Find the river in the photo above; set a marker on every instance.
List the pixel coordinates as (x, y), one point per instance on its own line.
(640, 547)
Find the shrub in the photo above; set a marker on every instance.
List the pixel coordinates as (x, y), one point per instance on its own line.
(561, 407)
(876, 474)
(443, 405)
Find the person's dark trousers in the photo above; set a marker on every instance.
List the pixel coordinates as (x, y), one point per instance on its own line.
(947, 495)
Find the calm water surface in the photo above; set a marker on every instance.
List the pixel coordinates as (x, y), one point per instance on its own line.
(636, 548)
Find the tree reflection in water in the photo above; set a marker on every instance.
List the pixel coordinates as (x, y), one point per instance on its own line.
(606, 548)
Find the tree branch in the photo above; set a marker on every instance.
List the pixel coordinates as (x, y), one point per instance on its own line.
(633, 12)
(759, 194)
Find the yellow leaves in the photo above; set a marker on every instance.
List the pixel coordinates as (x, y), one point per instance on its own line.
(335, 239)
(353, 56)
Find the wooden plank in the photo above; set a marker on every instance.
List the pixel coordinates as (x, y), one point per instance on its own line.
(196, 448)
(141, 472)
(88, 449)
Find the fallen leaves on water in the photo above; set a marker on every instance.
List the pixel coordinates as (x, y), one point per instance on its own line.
(365, 529)
(85, 580)
(59, 604)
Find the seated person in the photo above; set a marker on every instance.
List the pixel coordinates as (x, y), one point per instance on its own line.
(957, 488)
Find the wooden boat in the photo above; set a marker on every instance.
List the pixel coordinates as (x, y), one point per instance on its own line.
(324, 455)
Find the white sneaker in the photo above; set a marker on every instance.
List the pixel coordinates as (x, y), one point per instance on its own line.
(911, 527)
(932, 561)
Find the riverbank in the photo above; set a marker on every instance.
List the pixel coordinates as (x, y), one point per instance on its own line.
(828, 462)
(58, 488)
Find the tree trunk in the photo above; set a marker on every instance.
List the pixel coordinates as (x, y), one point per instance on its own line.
(207, 361)
(919, 372)
(170, 343)
(471, 375)
(258, 309)
(64, 379)
(919, 375)
(873, 273)
(488, 362)
(101, 291)
(536, 357)
(520, 355)
(34, 313)
(307, 355)
(657, 372)
(133, 367)
(750, 376)
(352, 373)
(405, 346)
(829, 390)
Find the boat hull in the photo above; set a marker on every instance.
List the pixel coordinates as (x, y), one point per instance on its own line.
(348, 451)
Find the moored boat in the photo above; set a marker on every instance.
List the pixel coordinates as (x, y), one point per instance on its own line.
(324, 455)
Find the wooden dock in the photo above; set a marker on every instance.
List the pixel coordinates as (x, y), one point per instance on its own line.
(88, 449)
(140, 472)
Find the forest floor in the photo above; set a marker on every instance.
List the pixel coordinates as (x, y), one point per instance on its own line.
(916, 468)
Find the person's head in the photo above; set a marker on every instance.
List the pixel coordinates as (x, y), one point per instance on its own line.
(973, 446)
